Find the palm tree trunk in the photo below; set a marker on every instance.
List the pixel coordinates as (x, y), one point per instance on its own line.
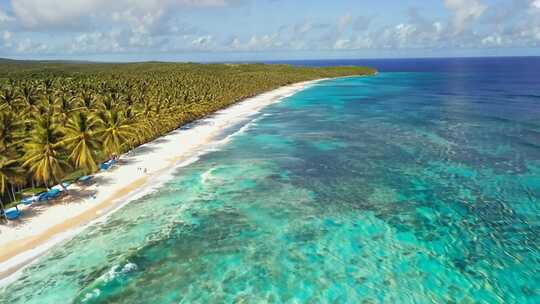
(2, 208)
(13, 193)
(10, 192)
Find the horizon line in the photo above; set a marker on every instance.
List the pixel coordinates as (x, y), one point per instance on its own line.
(262, 60)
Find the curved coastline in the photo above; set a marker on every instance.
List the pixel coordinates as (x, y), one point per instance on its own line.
(25, 242)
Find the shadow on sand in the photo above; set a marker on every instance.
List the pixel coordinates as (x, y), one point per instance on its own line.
(74, 196)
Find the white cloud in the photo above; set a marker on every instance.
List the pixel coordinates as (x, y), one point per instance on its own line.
(342, 44)
(141, 26)
(403, 32)
(493, 40)
(26, 45)
(5, 39)
(118, 26)
(34, 13)
(97, 42)
(202, 42)
(257, 43)
(464, 12)
(4, 17)
(6, 35)
(45, 13)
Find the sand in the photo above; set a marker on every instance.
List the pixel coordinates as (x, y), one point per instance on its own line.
(42, 227)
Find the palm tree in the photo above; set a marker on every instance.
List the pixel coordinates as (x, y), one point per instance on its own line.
(48, 86)
(87, 100)
(48, 103)
(10, 174)
(29, 96)
(81, 141)
(115, 132)
(65, 106)
(10, 130)
(44, 154)
(8, 96)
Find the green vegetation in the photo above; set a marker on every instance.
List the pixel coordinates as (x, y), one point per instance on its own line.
(59, 118)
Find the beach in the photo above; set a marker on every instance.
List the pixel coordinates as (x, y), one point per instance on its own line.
(42, 227)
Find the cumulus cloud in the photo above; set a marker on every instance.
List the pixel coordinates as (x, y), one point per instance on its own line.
(33, 13)
(97, 42)
(46, 13)
(493, 40)
(257, 43)
(202, 42)
(5, 39)
(348, 32)
(4, 17)
(27, 46)
(464, 12)
(123, 26)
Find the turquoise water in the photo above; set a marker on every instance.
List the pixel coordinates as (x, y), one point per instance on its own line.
(399, 188)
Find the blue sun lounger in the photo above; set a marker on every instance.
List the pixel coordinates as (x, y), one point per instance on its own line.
(84, 179)
(53, 193)
(106, 165)
(43, 196)
(13, 213)
(29, 200)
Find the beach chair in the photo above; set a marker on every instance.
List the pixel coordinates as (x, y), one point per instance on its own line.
(61, 186)
(85, 179)
(105, 166)
(29, 200)
(53, 193)
(43, 196)
(13, 213)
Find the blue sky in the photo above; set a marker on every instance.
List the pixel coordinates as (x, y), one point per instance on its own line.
(215, 30)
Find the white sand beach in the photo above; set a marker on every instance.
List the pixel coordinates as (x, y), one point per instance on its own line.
(49, 224)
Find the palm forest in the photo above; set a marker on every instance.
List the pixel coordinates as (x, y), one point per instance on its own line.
(60, 120)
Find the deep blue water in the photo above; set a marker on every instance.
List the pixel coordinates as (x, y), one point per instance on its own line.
(418, 185)
(524, 66)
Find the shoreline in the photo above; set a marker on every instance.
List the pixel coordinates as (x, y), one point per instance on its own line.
(52, 224)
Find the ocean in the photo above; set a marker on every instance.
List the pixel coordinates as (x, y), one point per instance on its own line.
(418, 185)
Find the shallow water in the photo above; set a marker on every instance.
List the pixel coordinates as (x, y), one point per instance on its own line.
(418, 187)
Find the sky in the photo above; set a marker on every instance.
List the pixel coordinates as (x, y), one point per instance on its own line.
(233, 30)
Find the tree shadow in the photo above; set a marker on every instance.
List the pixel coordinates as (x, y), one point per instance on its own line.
(126, 161)
(160, 140)
(74, 196)
(201, 122)
(26, 215)
(142, 150)
(99, 180)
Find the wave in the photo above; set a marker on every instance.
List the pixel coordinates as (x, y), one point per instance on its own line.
(105, 284)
